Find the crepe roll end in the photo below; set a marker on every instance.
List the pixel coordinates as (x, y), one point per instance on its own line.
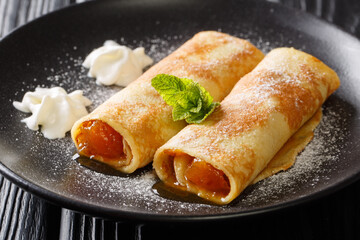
(96, 139)
(184, 171)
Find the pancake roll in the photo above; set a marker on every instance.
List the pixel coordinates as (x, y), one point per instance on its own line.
(220, 157)
(126, 130)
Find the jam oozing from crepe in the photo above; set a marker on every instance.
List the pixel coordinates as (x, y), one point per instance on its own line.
(207, 177)
(97, 139)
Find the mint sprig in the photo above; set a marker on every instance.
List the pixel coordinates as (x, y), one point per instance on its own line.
(189, 100)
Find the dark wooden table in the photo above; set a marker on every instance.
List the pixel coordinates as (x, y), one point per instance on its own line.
(25, 216)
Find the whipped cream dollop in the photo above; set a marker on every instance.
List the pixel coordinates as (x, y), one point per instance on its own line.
(53, 109)
(116, 64)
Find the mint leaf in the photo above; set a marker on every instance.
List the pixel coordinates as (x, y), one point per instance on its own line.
(168, 85)
(189, 100)
(180, 113)
(198, 118)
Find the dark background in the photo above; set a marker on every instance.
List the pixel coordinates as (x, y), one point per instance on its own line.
(336, 216)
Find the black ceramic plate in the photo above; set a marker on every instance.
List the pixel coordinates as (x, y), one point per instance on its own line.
(49, 51)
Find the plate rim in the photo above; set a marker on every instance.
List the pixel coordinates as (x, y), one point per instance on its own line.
(93, 210)
(108, 213)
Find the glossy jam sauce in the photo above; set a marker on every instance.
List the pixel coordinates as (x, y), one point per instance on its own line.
(97, 166)
(97, 139)
(205, 176)
(177, 194)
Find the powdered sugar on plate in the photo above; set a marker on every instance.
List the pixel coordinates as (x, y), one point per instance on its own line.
(312, 166)
(135, 192)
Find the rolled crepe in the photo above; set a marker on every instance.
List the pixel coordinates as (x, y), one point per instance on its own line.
(126, 130)
(220, 157)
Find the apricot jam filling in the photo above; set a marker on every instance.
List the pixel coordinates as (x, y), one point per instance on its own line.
(97, 139)
(206, 177)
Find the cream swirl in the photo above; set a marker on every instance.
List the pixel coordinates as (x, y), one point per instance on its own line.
(53, 109)
(116, 64)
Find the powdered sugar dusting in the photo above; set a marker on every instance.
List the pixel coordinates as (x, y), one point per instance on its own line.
(312, 166)
(134, 192)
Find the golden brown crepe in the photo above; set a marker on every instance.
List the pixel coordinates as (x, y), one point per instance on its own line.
(286, 156)
(127, 129)
(220, 157)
